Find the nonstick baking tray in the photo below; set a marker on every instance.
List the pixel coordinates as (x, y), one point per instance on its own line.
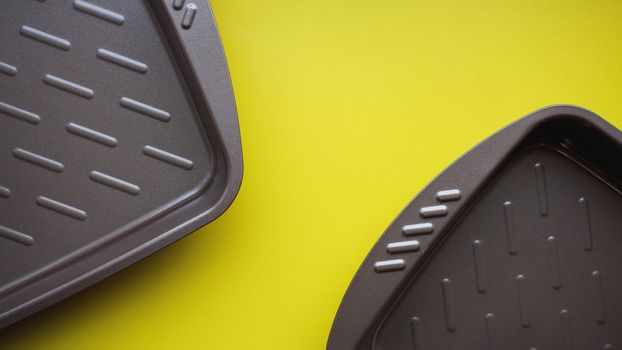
(514, 246)
(118, 136)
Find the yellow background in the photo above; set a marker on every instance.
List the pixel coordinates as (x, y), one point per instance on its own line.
(347, 109)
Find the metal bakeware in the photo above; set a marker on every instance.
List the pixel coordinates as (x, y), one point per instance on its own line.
(118, 136)
(514, 246)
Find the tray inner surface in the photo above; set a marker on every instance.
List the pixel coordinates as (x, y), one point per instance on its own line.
(534, 263)
(98, 134)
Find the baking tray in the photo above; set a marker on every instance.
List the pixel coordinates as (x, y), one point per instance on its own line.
(514, 246)
(118, 136)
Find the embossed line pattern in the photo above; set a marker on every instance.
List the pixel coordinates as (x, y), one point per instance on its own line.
(61, 208)
(599, 297)
(188, 18)
(448, 195)
(510, 227)
(522, 300)
(114, 182)
(122, 61)
(542, 190)
(480, 274)
(16, 236)
(390, 265)
(178, 4)
(424, 228)
(551, 246)
(415, 323)
(8, 69)
(556, 275)
(45, 38)
(20, 114)
(448, 304)
(433, 211)
(418, 229)
(99, 12)
(167, 157)
(587, 224)
(5, 192)
(38, 160)
(489, 320)
(145, 109)
(403, 247)
(68, 86)
(92, 135)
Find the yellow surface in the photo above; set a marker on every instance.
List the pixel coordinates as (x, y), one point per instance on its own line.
(347, 109)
